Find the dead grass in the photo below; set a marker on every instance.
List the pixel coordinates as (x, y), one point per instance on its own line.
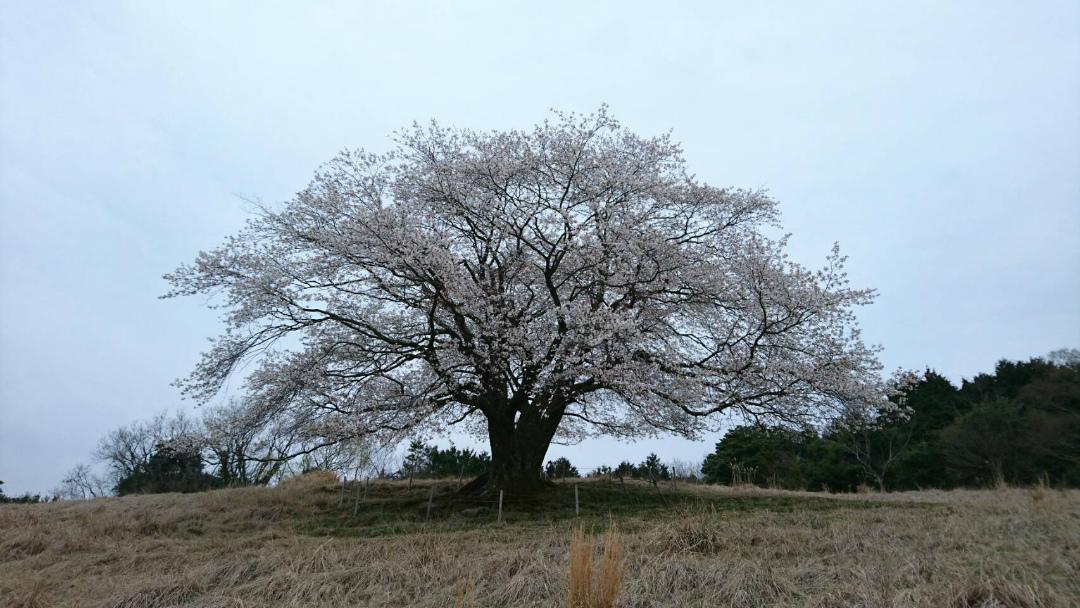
(314, 478)
(299, 546)
(584, 592)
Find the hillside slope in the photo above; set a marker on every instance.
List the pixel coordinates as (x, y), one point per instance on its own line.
(302, 545)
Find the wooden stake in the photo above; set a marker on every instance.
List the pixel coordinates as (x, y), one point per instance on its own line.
(356, 501)
(577, 503)
(431, 495)
(500, 505)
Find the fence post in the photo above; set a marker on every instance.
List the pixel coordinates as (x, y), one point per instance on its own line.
(461, 476)
(356, 501)
(500, 505)
(431, 495)
(577, 503)
(341, 495)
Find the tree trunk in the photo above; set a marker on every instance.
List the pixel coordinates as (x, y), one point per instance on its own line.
(517, 457)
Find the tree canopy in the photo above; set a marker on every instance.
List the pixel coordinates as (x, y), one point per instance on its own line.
(554, 282)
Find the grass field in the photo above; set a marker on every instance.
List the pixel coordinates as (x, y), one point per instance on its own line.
(302, 545)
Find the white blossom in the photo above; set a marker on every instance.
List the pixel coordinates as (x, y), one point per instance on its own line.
(573, 277)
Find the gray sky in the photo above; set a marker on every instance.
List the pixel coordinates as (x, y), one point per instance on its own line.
(939, 143)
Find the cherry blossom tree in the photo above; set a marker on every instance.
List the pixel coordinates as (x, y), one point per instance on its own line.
(552, 283)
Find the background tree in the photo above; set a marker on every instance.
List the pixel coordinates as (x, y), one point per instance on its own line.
(1019, 424)
(770, 456)
(82, 482)
(602, 471)
(431, 461)
(242, 446)
(129, 449)
(168, 470)
(877, 440)
(931, 405)
(340, 457)
(981, 445)
(454, 462)
(564, 469)
(25, 498)
(561, 281)
(415, 463)
(652, 470)
(624, 470)
(1024, 424)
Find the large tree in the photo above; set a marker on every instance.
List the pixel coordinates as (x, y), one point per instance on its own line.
(560, 281)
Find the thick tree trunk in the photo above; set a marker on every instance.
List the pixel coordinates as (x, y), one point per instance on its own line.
(517, 457)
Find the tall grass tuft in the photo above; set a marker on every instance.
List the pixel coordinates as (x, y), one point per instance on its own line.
(999, 482)
(584, 591)
(580, 571)
(611, 562)
(1041, 489)
(466, 595)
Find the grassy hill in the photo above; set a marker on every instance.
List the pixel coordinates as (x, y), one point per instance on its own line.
(307, 544)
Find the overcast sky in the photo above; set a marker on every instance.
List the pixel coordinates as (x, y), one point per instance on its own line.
(939, 143)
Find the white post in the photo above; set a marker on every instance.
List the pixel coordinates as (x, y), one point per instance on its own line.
(500, 505)
(577, 504)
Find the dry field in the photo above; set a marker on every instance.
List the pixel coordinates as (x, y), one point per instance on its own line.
(302, 545)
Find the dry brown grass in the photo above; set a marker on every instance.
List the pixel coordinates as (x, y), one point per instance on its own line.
(314, 478)
(247, 547)
(580, 585)
(584, 592)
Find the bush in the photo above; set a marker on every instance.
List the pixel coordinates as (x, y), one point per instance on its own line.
(422, 460)
(168, 470)
(561, 468)
(25, 498)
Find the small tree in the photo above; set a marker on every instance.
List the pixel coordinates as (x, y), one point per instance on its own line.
(82, 482)
(563, 469)
(877, 443)
(653, 470)
(416, 462)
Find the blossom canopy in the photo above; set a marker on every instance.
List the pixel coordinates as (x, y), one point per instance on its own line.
(559, 281)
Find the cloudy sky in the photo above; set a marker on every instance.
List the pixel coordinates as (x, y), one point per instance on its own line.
(939, 143)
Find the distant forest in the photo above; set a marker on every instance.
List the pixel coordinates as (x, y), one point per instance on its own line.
(1017, 425)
